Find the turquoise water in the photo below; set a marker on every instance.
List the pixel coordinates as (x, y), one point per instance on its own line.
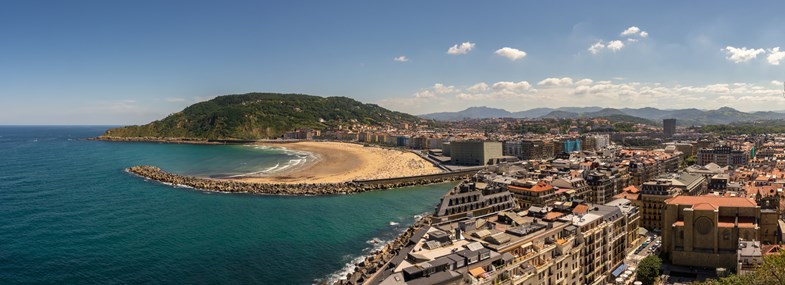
(69, 214)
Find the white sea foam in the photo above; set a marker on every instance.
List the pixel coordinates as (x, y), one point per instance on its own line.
(394, 223)
(347, 268)
(373, 241)
(300, 158)
(377, 244)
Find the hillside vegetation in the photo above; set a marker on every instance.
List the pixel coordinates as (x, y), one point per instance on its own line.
(262, 116)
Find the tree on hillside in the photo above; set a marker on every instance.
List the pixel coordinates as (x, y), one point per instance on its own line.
(649, 269)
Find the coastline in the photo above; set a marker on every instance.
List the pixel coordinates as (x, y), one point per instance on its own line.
(330, 161)
(370, 266)
(336, 162)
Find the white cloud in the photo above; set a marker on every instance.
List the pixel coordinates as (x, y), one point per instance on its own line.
(442, 89)
(479, 87)
(511, 53)
(402, 58)
(631, 31)
(739, 55)
(434, 91)
(557, 91)
(424, 94)
(553, 81)
(615, 45)
(596, 47)
(463, 48)
(512, 86)
(175, 99)
(631, 40)
(776, 83)
(775, 56)
(584, 81)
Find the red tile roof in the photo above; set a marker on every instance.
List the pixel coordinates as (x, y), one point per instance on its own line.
(550, 216)
(580, 209)
(631, 189)
(541, 186)
(713, 201)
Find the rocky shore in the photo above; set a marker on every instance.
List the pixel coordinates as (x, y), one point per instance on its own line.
(155, 139)
(187, 140)
(295, 189)
(371, 266)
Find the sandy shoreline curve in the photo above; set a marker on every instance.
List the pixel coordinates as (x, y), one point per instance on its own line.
(340, 162)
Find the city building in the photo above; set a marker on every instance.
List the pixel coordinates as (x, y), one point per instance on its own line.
(654, 193)
(473, 199)
(530, 149)
(704, 231)
(571, 145)
(723, 156)
(529, 193)
(474, 152)
(669, 127)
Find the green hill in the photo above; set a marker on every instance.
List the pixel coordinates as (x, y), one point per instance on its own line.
(262, 116)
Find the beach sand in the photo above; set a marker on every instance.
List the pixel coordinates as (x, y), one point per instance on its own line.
(341, 162)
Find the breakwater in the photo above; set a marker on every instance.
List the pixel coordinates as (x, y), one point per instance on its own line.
(296, 189)
(375, 267)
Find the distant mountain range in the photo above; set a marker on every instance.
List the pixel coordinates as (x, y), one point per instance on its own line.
(684, 117)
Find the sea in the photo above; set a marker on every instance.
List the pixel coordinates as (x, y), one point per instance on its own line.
(70, 214)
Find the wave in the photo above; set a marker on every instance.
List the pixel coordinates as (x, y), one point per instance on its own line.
(377, 244)
(299, 159)
(345, 270)
(349, 266)
(373, 241)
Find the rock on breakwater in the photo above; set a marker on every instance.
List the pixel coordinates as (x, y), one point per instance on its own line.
(372, 266)
(295, 189)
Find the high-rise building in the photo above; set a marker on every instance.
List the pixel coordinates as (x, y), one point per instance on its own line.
(669, 127)
(570, 145)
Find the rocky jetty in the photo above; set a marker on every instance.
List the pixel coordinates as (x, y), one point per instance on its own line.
(367, 269)
(296, 189)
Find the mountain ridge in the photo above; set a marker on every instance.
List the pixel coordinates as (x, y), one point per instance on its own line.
(684, 117)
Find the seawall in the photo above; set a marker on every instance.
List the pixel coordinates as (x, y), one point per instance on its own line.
(295, 189)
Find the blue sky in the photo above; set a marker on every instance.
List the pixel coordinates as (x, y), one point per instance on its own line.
(130, 62)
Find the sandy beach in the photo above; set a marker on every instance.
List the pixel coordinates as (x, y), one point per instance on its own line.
(341, 162)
